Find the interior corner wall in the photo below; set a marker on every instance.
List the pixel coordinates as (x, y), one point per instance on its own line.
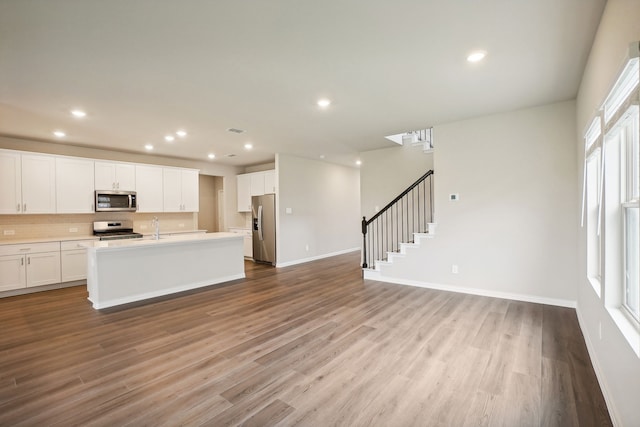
(386, 172)
(513, 230)
(324, 201)
(616, 364)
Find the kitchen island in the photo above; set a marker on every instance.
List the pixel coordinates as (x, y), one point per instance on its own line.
(124, 271)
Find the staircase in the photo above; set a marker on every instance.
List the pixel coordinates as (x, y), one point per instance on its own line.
(399, 227)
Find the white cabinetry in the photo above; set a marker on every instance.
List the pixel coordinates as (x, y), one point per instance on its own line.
(29, 265)
(38, 184)
(254, 184)
(73, 260)
(10, 183)
(149, 188)
(244, 193)
(180, 190)
(74, 185)
(270, 182)
(257, 184)
(247, 247)
(115, 176)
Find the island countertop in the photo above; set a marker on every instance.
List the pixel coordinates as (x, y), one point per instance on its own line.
(163, 241)
(123, 271)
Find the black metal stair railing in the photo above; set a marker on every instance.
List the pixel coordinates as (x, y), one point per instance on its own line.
(409, 213)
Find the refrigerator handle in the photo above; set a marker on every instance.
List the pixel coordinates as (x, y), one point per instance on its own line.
(260, 223)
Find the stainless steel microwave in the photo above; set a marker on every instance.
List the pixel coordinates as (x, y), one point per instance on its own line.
(116, 201)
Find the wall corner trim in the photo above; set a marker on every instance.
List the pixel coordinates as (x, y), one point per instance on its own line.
(615, 418)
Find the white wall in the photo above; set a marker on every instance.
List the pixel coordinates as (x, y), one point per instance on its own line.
(616, 364)
(385, 173)
(325, 203)
(513, 231)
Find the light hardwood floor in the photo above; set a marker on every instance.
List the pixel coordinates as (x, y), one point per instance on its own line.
(311, 345)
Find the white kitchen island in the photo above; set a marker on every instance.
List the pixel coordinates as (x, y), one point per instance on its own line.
(124, 271)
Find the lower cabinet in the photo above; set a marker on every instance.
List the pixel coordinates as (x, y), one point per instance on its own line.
(73, 260)
(248, 240)
(23, 266)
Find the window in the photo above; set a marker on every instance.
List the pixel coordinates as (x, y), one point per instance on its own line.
(630, 136)
(592, 198)
(610, 201)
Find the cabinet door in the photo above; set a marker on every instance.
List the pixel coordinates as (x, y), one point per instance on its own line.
(38, 184)
(73, 265)
(149, 188)
(190, 191)
(43, 268)
(74, 185)
(125, 177)
(10, 183)
(105, 176)
(12, 272)
(257, 184)
(270, 182)
(244, 193)
(172, 190)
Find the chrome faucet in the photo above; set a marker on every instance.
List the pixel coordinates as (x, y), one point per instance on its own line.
(155, 223)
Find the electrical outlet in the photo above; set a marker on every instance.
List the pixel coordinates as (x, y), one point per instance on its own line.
(180, 225)
(143, 226)
(454, 269)
(9, 232)
(306, 248)
(73, 230)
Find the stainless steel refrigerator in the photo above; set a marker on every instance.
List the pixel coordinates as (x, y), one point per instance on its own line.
(263, 210)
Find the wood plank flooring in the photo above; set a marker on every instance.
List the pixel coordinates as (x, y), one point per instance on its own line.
(309, 345)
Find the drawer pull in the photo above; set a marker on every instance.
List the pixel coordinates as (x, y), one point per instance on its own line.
(25, 249)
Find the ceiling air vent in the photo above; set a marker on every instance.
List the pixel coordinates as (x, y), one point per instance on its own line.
(229, 155)
(234, 130)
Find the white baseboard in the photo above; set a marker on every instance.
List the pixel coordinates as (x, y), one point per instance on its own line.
(598, 370)
(481, 292)
(163, 292)
(315, 258)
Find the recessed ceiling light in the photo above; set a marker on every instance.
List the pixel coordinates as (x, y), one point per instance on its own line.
(322, 156)
(59, 134)
(78, 113)
(476, 56)
(324, 103)
(181, 133)
(358, 162)
(169, 138)
(148, 147)
(211, 156)
(248, 146)
(234, 130)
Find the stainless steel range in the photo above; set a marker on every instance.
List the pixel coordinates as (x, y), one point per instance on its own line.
(115, 230)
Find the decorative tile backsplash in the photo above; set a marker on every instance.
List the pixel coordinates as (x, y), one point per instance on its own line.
(16, 227)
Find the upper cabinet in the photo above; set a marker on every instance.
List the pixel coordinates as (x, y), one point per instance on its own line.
(34, 183)
(149, 185)
(27, 183)
(270, 182)
(10, 183)
(254, 184)
(74, 185)
(244, 193)
(180, 190)
(115, 176)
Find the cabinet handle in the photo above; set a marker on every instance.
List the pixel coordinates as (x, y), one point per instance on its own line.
(21, 261)
(29, 260)
(18, 208)
(118, 185)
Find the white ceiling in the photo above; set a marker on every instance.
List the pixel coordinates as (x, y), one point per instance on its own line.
(145, 68)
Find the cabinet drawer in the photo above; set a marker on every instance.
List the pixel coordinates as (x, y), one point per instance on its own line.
(32, 248)
(72, 245)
